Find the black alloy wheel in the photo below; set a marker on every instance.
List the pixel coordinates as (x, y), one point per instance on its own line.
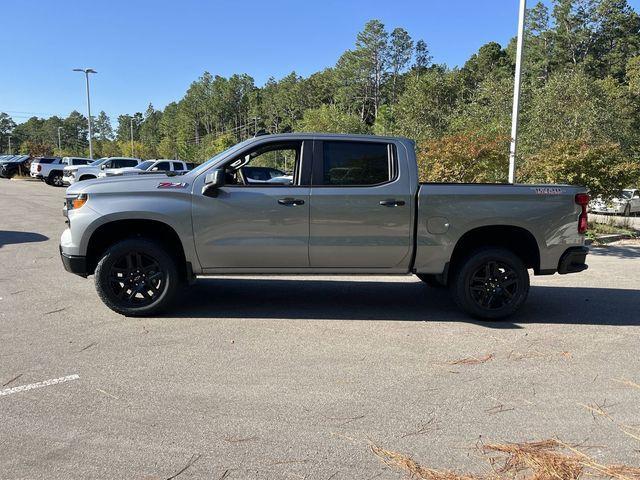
(137, 277)
(490, 283)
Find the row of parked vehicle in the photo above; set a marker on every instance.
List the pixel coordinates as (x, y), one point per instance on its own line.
(65, 171)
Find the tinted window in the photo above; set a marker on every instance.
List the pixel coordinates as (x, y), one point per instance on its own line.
(162, 166)
(355, 163)
(123, 162)
(191, 166)
(81, 162)
(177, 166)
(46, 161)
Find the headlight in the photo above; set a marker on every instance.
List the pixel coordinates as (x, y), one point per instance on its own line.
(76, 201)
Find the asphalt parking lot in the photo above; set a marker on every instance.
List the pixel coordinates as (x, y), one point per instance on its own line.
(294, 377)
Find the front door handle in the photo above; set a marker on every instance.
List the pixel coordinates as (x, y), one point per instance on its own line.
(290, 201)
(392, 202)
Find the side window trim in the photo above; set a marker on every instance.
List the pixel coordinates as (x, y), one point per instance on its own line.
(317, 180)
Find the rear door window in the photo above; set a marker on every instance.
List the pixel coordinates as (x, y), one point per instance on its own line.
(355, 164)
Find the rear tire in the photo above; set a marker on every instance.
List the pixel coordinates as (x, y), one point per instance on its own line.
(490, 284)
(434, 281)
(137, 277)
(54, 179)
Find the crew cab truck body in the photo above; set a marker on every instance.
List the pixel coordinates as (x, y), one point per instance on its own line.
(353, 205)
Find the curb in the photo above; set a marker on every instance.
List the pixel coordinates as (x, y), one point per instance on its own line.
(604, 239)
(14, 179)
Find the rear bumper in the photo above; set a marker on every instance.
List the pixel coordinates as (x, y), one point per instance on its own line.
(74, 263)
(572, 260)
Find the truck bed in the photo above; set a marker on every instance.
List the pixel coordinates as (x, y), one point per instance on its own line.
(446, 212)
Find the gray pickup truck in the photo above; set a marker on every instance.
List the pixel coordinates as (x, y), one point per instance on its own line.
(343, 204)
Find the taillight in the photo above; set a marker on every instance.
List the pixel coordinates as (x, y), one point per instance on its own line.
(582, 199)
(39, 167)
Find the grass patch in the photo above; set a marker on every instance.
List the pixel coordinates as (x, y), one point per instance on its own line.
(597, 229)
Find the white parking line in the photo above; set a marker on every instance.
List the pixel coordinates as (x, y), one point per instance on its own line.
(45, 383)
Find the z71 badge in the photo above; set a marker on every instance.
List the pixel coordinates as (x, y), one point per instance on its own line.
(172, 185)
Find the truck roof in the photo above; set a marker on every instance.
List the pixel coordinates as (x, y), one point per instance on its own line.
(329, 136)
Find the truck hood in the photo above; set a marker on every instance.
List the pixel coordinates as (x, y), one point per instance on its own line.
(130, 183)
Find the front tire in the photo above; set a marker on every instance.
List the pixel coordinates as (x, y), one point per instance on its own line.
(490, 284)
(137, 277)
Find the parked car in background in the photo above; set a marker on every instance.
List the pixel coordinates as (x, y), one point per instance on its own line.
(41, 167)
(50, 169)
(626, 203)
(160, 165)
(13, 165)
(73, 174)
(266, 175)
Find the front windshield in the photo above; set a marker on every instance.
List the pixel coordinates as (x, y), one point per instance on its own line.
(626, 194)
(220, 155)
(97, 162)
(144, 165)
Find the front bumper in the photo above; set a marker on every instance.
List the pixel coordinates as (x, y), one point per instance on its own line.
(572, 260)
(74, 263)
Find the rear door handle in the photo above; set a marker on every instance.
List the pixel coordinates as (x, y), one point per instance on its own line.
(290, 201)
(392, 202)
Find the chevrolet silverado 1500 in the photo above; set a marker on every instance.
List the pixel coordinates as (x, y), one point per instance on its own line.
(352, 205)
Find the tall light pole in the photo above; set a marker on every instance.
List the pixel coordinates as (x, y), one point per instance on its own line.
(59, 142)
(131, 123)
(516, 93)
(9, 144)
(86, 72)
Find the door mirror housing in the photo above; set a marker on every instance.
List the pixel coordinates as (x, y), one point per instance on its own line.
(103, 166)
(212, 182)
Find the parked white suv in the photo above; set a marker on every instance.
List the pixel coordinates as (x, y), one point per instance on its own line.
(625, 203)
(50, 169)
(160, 165)
(91, 171)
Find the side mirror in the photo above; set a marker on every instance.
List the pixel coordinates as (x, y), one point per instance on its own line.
(103, 166)
(212, 182)
(154, 169)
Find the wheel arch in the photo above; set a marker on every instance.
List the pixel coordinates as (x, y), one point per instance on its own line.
(113, 231)
(516, 239)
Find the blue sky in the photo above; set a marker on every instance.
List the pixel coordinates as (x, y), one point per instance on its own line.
(150, 51)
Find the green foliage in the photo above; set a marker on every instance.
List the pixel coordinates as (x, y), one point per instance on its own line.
(464, 157)
(580, 109)
(602, 167)
(328, 118)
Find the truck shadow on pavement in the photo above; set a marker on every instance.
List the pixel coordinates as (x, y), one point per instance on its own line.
(8, 237)
(289, 298)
